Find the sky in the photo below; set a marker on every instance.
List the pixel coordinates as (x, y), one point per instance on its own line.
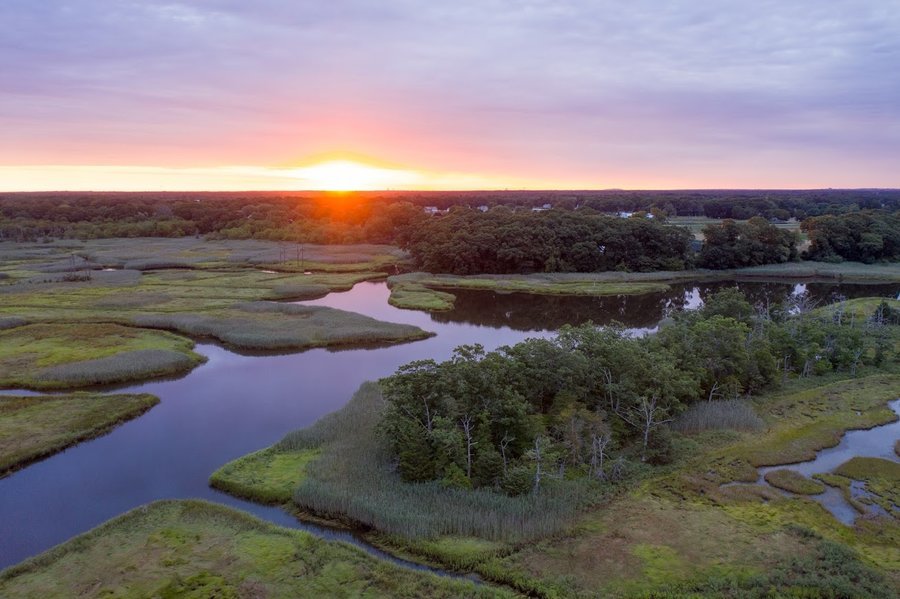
(489, 94)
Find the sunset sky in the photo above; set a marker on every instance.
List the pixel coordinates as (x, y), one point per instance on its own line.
(278, 94)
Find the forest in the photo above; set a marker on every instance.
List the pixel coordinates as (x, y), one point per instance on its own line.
(314, 217)
(507, 233)
(859, 237)
(579, 404)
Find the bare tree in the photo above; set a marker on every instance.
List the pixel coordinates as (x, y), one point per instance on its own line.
(645, 416)
(469, 431)
(504, 443)
(538, 457)
(600, 441)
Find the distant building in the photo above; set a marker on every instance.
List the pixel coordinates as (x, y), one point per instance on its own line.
(482, 208)
(542, 208)
(434, 210)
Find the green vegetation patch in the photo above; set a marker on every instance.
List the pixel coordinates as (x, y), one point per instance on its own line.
(805, 422)
(413, 296)
(199, 549)
(275, 326)
(266, 476)
(35, 427)
(425, 291)
(794, 482)
(58, 356)
(869, 468)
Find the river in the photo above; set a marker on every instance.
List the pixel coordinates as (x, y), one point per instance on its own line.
(234, 404)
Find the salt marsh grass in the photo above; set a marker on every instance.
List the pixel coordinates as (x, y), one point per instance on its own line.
(193, 548)
(124, 366)
(36, 426)
(63, 356)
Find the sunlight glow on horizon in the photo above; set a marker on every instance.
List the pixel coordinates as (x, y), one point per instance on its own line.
(349, 175)
(330, 175)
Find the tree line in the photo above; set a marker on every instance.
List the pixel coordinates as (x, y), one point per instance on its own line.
(584, 403)
(466, 240)
(869, 236)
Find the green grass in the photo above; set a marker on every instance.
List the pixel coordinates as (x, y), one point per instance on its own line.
(868, 468)
(274, 326)
(197, 549)
(267, 476)
(860, 309)
(34, 427)
(794, 482)
(59, 356)
(804, 422)
(424, 291)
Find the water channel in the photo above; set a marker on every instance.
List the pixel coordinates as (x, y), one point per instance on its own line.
(234, 404)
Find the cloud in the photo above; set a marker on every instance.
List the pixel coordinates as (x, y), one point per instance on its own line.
(580, 89)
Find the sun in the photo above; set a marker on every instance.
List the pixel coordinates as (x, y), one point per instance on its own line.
(348, 175)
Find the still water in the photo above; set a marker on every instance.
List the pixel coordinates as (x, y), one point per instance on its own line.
(235, 404)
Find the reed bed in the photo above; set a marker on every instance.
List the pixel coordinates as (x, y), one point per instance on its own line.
(734, 414)
(353, 480)
(124, 366)
(274, 326)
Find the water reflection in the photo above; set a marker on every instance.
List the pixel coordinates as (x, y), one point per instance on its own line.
(524, 312)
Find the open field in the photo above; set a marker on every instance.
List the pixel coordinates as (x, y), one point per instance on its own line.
(35, 427)
(235, 306)
(696, 224)
(198, 549)
(55, 356)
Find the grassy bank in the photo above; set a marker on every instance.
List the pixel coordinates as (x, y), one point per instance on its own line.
(433, 292)
(34, 427)
(199, 549)
(60, 356)
(267, 476)
(424, 291)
